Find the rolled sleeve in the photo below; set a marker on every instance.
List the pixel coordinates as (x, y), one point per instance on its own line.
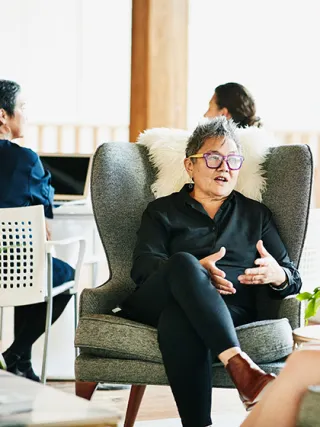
(41, 191)
(274, 245)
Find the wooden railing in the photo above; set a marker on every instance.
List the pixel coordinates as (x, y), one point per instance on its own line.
(69, 138)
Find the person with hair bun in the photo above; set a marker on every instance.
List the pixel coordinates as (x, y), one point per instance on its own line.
(235, 102)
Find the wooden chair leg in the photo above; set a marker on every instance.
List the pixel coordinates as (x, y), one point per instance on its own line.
(85, 389)
(136, 395)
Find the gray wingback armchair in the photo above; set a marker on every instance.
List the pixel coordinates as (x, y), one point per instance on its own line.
(116, 350)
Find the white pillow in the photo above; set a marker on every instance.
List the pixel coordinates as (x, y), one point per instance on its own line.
(167, 152)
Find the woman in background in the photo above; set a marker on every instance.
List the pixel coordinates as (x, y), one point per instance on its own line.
(24, 182)
(235, 102)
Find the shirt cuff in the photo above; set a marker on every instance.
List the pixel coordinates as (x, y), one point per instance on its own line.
(286, 283)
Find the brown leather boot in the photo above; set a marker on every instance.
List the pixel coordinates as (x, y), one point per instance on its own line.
(249, 379)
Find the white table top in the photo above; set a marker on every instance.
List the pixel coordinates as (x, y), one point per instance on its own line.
(52, 407)
(308, 332)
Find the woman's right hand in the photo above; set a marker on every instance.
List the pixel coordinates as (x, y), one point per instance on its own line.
(223, 286)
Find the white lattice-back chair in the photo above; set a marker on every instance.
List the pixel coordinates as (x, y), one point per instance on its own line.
(26, 265)
(310, 259)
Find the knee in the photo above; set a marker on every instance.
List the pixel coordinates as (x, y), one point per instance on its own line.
(183, 261)
(305, 358)
(174, 327)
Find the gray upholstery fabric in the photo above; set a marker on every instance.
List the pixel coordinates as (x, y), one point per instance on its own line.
(119, 371)
(293, 310)
(289, 171)
(114, 337)
(309, 415)
(120, 189)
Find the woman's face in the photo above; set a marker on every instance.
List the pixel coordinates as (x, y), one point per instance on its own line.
(17, 122)
(215, 183)
(214, 110)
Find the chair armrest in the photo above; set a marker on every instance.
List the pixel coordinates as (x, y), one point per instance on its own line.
(50, 244)
(82, 249)
(104, 298)
(293, 310)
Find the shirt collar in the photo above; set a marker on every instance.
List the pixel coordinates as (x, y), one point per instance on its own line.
(189, 200)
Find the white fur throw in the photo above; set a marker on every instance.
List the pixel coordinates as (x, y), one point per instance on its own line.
(167, 152)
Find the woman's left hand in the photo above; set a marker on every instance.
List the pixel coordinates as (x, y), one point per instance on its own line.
(269, 271)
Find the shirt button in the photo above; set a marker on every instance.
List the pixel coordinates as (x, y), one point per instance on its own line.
(213, 228)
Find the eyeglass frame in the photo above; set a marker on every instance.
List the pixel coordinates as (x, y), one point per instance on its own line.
(223, 158)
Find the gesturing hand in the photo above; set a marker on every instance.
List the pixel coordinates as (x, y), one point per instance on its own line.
(269, 271)
(223, 286)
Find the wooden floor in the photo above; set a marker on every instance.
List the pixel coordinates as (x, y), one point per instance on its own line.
(158, 402)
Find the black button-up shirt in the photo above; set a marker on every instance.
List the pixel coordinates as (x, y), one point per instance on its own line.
(178, 223)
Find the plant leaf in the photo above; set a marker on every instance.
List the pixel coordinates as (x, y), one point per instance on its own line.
(311, 309)
(304, 296)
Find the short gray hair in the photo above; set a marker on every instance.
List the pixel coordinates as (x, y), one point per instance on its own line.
(218, 127)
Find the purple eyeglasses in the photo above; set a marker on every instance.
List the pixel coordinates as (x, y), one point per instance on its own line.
(214, 160)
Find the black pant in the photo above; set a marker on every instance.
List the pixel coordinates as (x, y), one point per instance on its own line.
(194, 326)
(30, 320)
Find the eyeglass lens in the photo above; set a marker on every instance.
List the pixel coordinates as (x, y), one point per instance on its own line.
(215, 160)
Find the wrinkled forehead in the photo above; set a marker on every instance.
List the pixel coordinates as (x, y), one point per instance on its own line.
(221, 145)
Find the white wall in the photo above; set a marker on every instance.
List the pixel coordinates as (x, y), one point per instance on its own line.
(269, 46)
(72, 57)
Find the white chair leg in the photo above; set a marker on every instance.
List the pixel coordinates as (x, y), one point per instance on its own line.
(75, 300)
(94, 273)
(1, 323)
(46, 340)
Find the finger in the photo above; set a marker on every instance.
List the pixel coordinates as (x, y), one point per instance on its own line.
(218, 255)
(223, 285)
(215, 271)
(256, 271)
(224, 292)
(262, 250)
(262, 261)
(258, 279)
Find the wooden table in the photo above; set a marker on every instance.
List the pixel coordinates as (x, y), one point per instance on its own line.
(308, 334)
(52, 407)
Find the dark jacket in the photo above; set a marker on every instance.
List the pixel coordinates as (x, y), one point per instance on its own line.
(23, 181)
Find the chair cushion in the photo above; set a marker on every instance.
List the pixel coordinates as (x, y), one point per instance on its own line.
(113, 337)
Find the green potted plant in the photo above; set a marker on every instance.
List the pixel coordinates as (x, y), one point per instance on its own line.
(313, 302)
(2, 363)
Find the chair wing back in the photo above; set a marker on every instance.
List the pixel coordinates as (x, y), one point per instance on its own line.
(289, 173)
(120, 191)
(22, 256)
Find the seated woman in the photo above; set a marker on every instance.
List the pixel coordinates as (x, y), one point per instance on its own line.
(199, 257)
(25, 183)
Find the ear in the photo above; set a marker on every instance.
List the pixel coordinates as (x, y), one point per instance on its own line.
(3, 117)
(188, 164)
(225, 112)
